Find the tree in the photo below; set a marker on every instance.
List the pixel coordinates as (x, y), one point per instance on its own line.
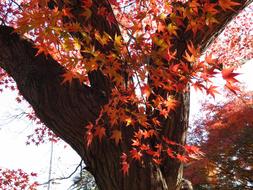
(111, 78)
(228, 149)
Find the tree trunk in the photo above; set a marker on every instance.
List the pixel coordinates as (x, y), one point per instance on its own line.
(67, 108)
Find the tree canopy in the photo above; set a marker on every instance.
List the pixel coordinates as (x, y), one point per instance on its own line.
(228, 148)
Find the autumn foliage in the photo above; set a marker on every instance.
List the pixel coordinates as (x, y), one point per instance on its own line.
(17, 180)
(139, 57)
(228, 145)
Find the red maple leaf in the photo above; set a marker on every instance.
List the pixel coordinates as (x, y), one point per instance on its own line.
(212, 91)
(182, 158)
(136, 154)
(229, 75)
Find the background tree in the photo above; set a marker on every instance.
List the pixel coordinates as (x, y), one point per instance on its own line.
(111, 78)
(228, 148)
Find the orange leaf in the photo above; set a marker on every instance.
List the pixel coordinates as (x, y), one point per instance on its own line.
(232, 88)
(68, 77)
(100, 132)
(212, 91)
(228, 75)
(146, 91)
(189, 58)
(182, 158)
(210, 8)
(228, 4)
(117, 136)
(129, 121)
(192, 49)
(210, 60)
(192, 149)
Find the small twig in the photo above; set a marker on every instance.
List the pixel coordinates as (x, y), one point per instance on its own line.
(62, 178)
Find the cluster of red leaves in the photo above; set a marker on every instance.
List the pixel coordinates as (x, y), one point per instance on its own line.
(145, 48)
(41, 133)
(235, 115)
(17, 180)
(6, 82)
(227, 147)
(234, 45)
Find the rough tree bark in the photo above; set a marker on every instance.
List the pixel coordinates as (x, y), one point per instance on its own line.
(66, 109)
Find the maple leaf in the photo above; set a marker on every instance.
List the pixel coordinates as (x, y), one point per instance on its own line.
(111, 19)
(194, 26)
(210, 60)
(228, 4)
(86, 13)
(129, 121)
(232, 87)
(212, 91)
(164, 113)
(136, 142)
(136, 154)
(210, 8)
(211, 20)
(87, 3)
(68, 77)
(42, 49)
(171, 103)
(189, 58)
(198, 86)
(67, 12)
(100, 132)
(228, 75)
(182, 158)
(102, 39)
(194, 51)
(114, 2)
(192, 149)
(145, 90)
(117, 40)
(125, 167)
(169, 141)
(117, 136)
(124, 163)
(158, 161)
(172, 29)
(170, 153)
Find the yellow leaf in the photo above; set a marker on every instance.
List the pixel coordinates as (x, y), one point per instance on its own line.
(128, 121)
(117, 40)
(172, 29)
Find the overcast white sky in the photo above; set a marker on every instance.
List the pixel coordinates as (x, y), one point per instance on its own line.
(13, 135)
(16, 154)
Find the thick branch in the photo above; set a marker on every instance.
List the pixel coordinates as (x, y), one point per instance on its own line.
(224, 17)
(64, 108)
(176, 126)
